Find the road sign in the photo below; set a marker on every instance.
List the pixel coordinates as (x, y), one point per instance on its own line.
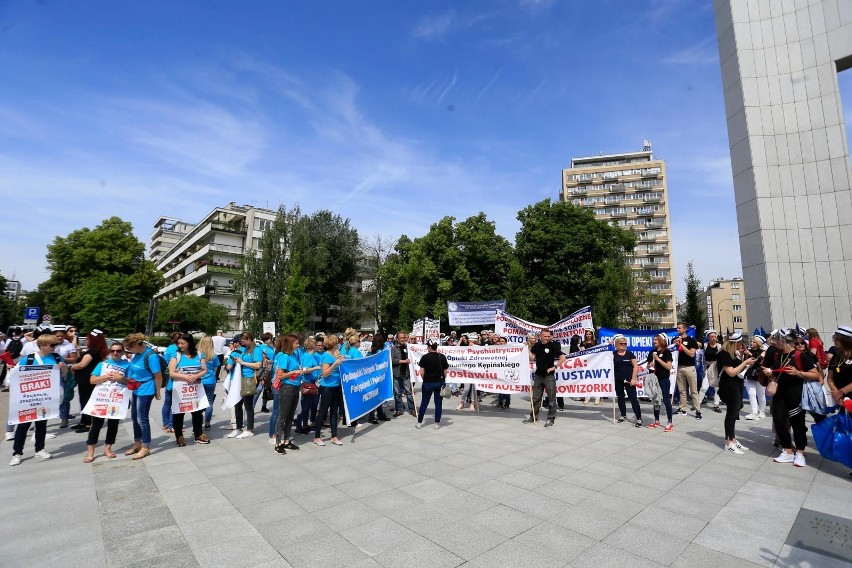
(269, 327)
(46, 318)
(31, 314)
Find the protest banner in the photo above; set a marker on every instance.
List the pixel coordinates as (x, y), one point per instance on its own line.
(586, 373)
(433, 330)
(232, 386)
(515, 329)
(109, 400)
(502, 369)
(366, 384)
(474, 313)
(641, 343)
(34, 393)
(188, 397)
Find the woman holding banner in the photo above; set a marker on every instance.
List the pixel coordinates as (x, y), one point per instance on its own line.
(96, 351)
(287, 381)
(187, 366)
(625, 370)
(330, 391)
(46, 343)
(661, 359)
(113, 369)
(144, 369)
(434, 366)
(729, 366)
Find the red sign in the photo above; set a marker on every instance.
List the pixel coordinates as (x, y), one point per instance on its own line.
(28, 415)
(38, 384)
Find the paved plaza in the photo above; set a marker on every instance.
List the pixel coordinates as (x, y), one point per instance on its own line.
(483, 491)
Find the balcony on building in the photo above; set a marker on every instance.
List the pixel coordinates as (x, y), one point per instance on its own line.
(618, 188)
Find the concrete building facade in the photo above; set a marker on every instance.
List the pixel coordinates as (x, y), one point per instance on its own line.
(629, 190)
(789, 155)
(725, 306)
(206, 259)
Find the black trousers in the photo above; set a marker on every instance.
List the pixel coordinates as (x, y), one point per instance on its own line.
(95, 430)
(197, 422)
(787, 405)
(21, 431)
(85, 389)
(248, 403)
(331, 399)
(288, 399)
(731, 392)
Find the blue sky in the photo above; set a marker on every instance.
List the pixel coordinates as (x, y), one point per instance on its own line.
(391, 113)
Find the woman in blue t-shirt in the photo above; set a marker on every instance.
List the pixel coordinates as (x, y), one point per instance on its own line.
(205, 347)
(351, 349)
(330, 391)
(114, 368)
(250, 358)
(625, 371)
(46, 343)
(309, 360)
(144, 369)
(288, 379)
(187, 366)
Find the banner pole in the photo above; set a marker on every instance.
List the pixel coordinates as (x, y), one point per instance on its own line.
(532, 404)
(613, 410)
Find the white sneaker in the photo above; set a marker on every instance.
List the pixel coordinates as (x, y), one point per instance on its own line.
(799, 460)
(9, 437)
(732, 448)
(245, 434)
(16, 460)
(44, 454)
(785, 458)
(437, 426)
(752, 416)
(761, 414)
(235, 434)
(419, 425)
(740, 446)
(272, 440)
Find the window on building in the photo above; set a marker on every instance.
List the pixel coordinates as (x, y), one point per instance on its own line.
(735, 296)
(737, 308)
(738, 319)
(735, 285)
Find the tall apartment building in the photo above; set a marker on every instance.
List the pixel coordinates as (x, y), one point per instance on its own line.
(629, 190)
(206, 258)
(726, 306)
(167, 232)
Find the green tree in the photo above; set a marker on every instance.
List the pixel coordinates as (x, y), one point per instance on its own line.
(693, 312)
(569, 259)
(263, 280)
(194, 314)
(294, 308)
(9, 314)
(91, 268)
(464, 261)
(641, 299)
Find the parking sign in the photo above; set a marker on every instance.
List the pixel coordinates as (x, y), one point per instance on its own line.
(31, 314)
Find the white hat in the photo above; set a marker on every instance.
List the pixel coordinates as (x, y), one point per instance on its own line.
(736, 336)
(844, 330)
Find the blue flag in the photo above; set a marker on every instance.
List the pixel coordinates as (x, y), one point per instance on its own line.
(366, 383)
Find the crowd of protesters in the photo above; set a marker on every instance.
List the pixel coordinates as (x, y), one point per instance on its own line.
(300, 376)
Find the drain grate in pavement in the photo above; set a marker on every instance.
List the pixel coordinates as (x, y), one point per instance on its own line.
(823, 534)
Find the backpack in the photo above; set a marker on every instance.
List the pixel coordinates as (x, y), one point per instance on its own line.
(164, 367)
(15, 347)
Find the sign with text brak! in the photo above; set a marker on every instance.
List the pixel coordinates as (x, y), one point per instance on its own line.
(34, 393)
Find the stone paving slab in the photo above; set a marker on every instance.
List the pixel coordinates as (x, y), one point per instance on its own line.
(484, 490)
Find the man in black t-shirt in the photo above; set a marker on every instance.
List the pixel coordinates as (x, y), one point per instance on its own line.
(711, 375)
(547, 355)
(686, 374)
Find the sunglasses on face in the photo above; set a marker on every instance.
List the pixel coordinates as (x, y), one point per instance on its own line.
(798, 343)
(116, 350)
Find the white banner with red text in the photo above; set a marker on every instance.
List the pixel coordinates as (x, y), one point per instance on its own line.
(188, 397)
(34, 393)
(587, 373)
(515, 329)
(502, 369)
(109, 400)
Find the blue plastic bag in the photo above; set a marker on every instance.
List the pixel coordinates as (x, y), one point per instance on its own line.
(833, 438)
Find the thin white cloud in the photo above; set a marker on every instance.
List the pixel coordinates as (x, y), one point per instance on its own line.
(536, 4)
(701, 52)
(432, 28)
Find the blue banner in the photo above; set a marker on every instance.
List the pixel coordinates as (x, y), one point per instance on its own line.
(639, 341)
(474, 313)
(366, 383)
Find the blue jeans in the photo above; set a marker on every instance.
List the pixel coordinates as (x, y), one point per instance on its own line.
(210, 391)
(140, 407)
(167, 410)
(64, 407)
(273, 419)
(428, 390)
